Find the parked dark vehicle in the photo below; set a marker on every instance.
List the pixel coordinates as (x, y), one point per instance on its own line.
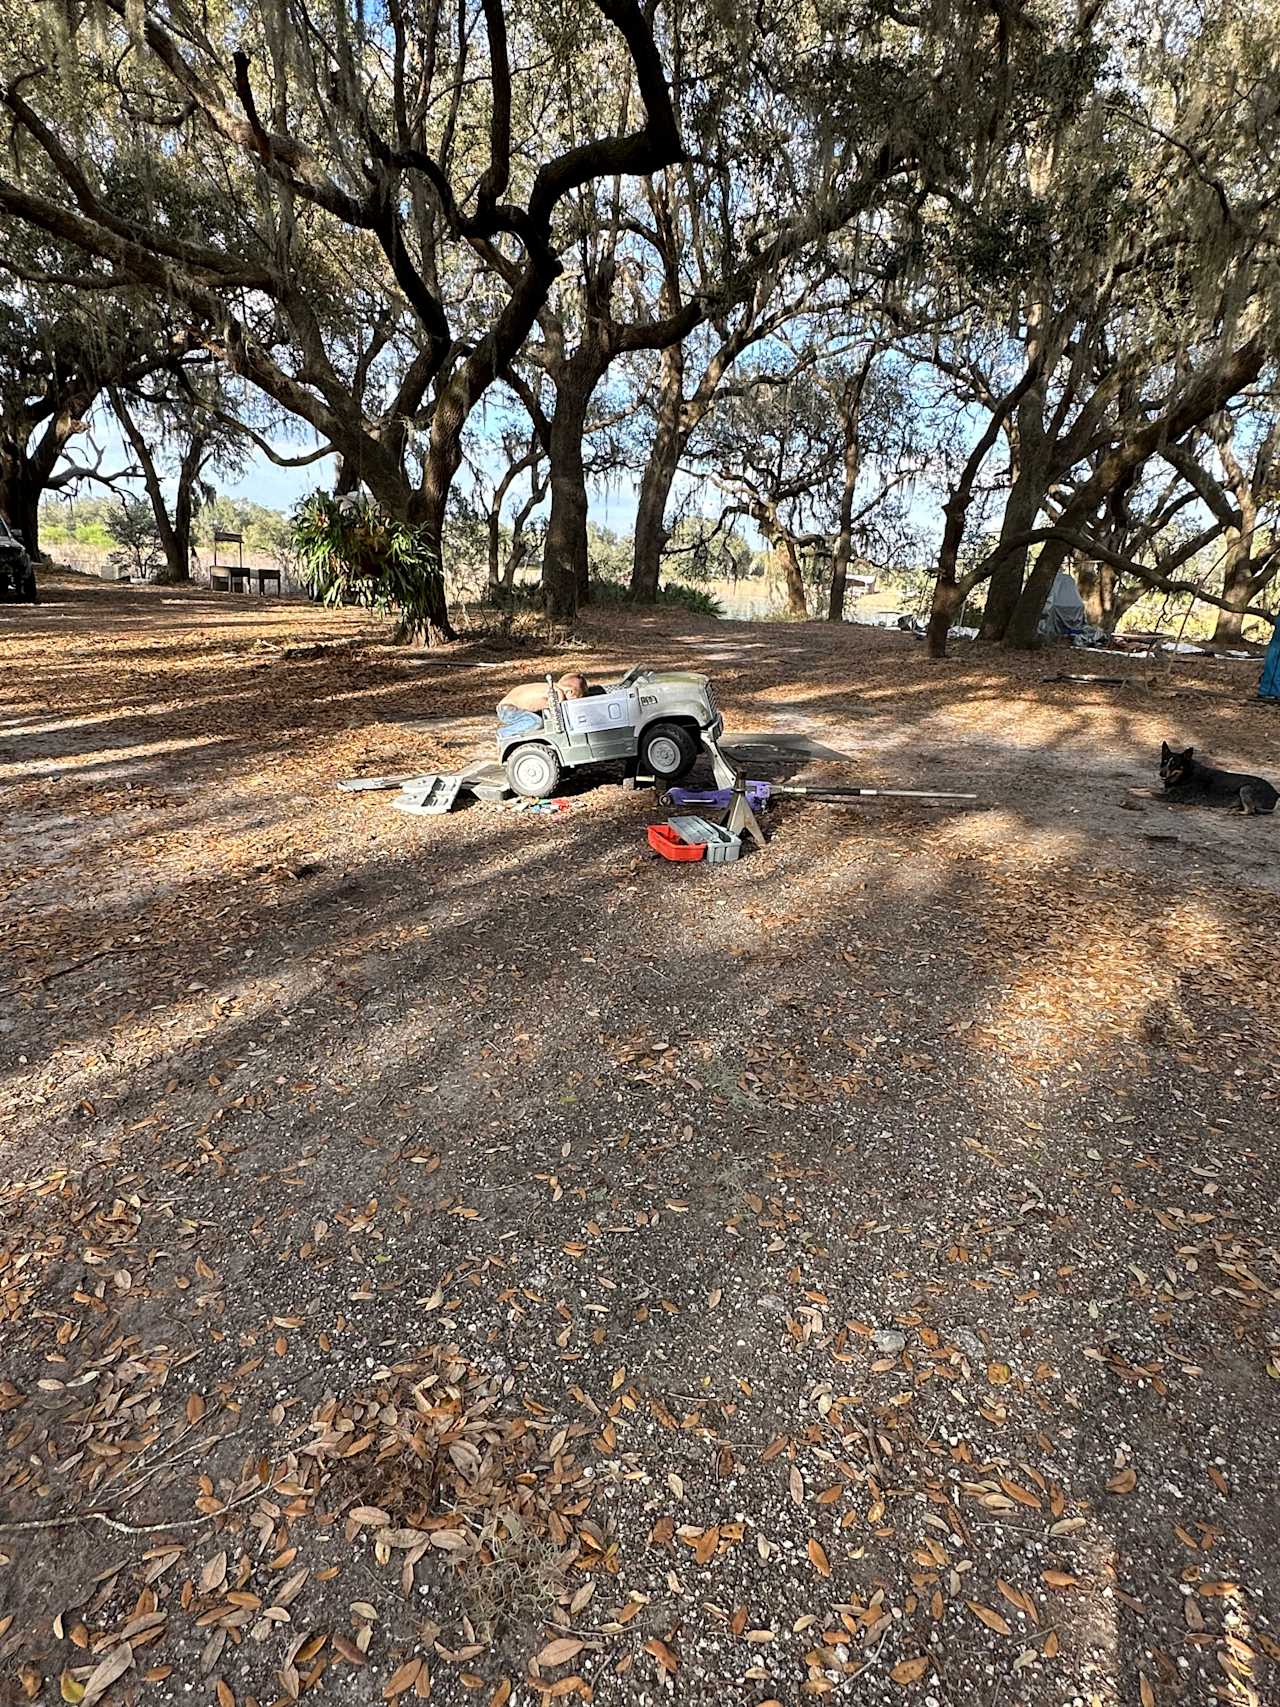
(17, 571)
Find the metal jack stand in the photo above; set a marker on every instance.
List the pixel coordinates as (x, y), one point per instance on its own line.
(742, 820)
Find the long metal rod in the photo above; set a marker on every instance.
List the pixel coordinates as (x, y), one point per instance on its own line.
(819, 793)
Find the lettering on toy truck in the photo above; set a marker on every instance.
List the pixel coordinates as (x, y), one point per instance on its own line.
(648, 699)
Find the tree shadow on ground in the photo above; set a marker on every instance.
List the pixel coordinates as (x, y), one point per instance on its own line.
(663, 1148)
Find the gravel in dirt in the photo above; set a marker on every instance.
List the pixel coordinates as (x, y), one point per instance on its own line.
(466, 1258)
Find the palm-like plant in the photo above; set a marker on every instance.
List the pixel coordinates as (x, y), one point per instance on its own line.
(350, 551)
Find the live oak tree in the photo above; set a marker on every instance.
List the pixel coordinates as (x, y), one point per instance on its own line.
(774, 450)
(522, 455)
(1136, 265)
(329, 140)
(693, 369)
(59, 350)
(1238, 481)
(181, 424)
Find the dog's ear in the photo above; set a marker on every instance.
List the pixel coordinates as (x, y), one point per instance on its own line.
(1166, 751)
(1189, 754)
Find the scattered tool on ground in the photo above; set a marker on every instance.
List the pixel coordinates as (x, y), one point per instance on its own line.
(427, 796)
(666, 840)
(742, 820)
(1097, 681)
(722, 845)
(760, 793)
(368, 784)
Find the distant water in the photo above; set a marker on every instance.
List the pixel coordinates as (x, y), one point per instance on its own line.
(745, 605)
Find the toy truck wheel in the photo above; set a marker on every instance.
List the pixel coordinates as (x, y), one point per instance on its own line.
(668, 751)
(533, 771)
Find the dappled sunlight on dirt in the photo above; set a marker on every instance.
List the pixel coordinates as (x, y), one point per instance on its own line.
(852, 1266)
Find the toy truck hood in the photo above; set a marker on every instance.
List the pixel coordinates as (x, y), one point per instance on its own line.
(678, 693)
(675, 678)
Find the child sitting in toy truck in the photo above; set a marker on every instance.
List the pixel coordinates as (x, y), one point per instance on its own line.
(520, 711)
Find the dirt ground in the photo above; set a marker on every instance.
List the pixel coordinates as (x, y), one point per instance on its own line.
(466, 1258)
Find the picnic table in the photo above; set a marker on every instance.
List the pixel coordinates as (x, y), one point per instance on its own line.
(236, 578)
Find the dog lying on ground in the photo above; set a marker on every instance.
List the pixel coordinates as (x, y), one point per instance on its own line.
(1188, 781)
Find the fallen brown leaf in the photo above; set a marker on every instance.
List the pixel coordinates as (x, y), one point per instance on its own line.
(990, 1617)
(663, 1654)
(1061, 1579)
(106, 1673)
(402, 1678)
(562, 1649)
(910, 1671)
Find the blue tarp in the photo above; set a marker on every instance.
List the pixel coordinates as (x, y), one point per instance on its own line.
(1269, 686)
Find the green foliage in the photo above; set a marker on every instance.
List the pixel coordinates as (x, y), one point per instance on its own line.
(85, 521)
(264, 529)
(131, 523)
(350, 551)
(609, 553)
(693, 599)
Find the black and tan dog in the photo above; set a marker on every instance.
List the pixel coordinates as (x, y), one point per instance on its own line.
(1188, 781)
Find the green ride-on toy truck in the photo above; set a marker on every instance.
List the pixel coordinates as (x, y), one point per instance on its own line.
(655, 721)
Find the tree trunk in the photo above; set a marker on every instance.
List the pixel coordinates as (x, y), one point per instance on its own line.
(498, 578)
(174, 533)
(1023, 630)
(1029, 455)
(659, 475)
(797, 604)
(519, 544)
(1094, 590)
(844, 539)
(184, 509)
(425, 509)
(1237, 586)
(495, 542)
(947, 599)
(564, 552)
(1104, 600)
(650, 534)
(1021, 509)
(948, 594)
(27, 462)
(582, 560)
(515, 557)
